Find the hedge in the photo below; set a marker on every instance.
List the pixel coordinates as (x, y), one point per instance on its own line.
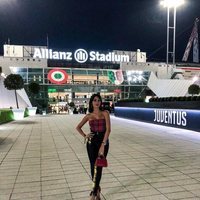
(6, 116)
(182, 98)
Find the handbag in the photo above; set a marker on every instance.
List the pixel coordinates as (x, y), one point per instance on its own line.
(101, 161)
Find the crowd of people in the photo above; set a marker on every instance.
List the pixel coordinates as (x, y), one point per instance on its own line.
(80, 109)
(77, 109)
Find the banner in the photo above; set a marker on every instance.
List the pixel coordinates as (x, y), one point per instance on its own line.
(193, 39)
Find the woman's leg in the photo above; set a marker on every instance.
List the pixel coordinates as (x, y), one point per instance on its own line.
(92, 154)
(98, 172)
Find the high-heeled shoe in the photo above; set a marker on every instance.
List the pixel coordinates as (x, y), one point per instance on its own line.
(92, 196)
(98, 197)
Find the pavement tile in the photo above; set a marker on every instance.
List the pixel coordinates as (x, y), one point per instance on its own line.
(145, 193)
(26, 189)
(56, 191)
(171, 189)
(180, 195)
(119, 196)
(140, 187)
(196, 192)
(153, 197)
(57, 197)
(4, 196)
(44, 158)
(26, 195)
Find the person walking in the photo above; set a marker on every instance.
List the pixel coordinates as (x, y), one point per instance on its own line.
(85, 107)
(97, 139)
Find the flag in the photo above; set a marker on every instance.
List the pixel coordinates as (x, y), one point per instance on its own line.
(196, 45)
(193, 39)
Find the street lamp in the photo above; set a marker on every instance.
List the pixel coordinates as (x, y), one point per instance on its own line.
(171, 4)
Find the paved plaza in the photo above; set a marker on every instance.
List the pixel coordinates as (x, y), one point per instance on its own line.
(44, 158)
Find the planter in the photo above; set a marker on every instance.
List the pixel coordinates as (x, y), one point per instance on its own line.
(71, 111)
(32, 111)
(18, 114)
(44, 112)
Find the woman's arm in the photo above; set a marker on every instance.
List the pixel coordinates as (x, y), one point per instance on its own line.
(108, 126)
(107, 133)
(81, 124)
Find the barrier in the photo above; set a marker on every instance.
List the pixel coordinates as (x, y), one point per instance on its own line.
(180, 118)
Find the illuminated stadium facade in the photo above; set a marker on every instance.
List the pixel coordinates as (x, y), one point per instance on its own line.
(74, 75)
(66, 76)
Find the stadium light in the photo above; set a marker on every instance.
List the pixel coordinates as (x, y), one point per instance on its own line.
(171, 4)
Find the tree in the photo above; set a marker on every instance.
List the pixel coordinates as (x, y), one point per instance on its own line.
(14, 82)
(193, 89)
(34, 88)
(72, 104)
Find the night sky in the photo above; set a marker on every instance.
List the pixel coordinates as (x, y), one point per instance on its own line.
(95, 25)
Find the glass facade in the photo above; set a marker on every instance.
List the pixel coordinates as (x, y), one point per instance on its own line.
(82, 83)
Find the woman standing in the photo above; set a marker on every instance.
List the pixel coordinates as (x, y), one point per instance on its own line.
(97, 140)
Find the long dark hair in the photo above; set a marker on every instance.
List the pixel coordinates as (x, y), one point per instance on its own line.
(91, 109)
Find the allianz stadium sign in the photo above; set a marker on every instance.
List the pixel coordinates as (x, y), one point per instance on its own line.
(80, 56)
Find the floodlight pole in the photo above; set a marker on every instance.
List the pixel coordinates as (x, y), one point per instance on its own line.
(173, 27)
(167, 53)
(174, 34)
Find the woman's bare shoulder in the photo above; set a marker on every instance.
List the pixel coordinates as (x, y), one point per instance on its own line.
(88, 116)
(105, 113)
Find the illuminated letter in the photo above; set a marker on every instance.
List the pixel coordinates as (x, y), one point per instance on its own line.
(62, 55)
(46, 53)
(50, 53)
(158, 115)
(162, 117)
(97, 56)
(37, 53)
(55, 55)
(102, 57)
(169, 117)
(155, 118)
(184, 121)
(174, 117)
(178, 119)
(125, 58)
(43, 53)
(92, 56)
(166, 117)
(113, 57)
(117, 58)
(108, 57)
(69, 55)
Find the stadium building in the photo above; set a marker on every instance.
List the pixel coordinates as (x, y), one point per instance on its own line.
(74, 75)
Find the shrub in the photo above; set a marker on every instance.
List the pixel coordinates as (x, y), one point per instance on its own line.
(194, 98)
(34, 87)
(6, 116)
(72, 104)
(193, 89)
(132, 100)
(189, 98)
(14, 82)
(151, 99)
(183, 98)
(179, 98)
